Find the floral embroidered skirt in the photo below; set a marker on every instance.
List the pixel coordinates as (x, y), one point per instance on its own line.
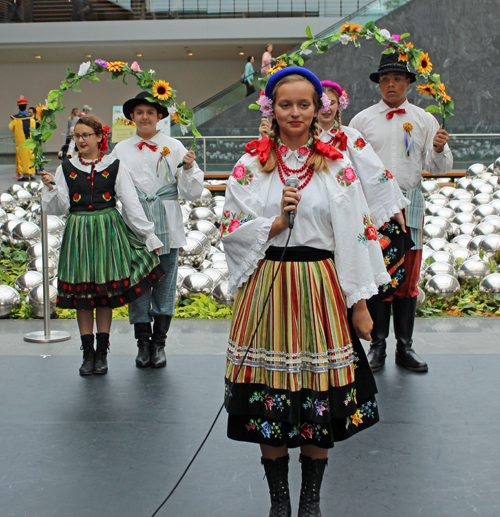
(102, 263)
(304, 381)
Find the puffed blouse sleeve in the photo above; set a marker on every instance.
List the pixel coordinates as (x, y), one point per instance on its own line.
(56, 201)
(383, 195)
(358, 255)
(245, 231)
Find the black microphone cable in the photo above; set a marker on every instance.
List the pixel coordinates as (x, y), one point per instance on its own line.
(240, 366)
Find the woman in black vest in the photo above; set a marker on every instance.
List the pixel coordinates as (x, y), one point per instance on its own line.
(105, 259)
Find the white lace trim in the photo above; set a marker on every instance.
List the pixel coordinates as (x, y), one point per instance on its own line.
(362, 294)
(380, 220)
(382, 278)
(153, 243)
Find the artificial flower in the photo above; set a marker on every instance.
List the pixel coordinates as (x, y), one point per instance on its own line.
(162, 90)
(407, 126)
(84, 68)
(403, 53)
(184, 128)
(426, 89)
(385, 33)
(175, 117)
(343, 101)
(276, 68)
(266, 105)
(102, 63)
(165, 151)
(172, 110)
(115, 66)
(135, 67)
(39, 110)
(326, 103)
(395, 38)
(369, 35)
(350, 27)
(424, 65)
(344, 39)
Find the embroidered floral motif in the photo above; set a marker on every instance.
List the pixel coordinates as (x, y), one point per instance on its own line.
(320, 406)
(303, 151)
(242, 174)
(73, 175)
(283, 149)
(270, 401)
(308, 431)
(105, 174)
(265, 428)
(391, 227)
(394, 282)
(232, 221)
(350, 397)
(364, 411)
(76, 197)
(360, 143)
(386, 176)
(391, 254)
(347, 176)
(370, 233)
(107, 196)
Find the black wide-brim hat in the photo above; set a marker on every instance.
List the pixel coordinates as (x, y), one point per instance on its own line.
(140, 98)
(391, 63)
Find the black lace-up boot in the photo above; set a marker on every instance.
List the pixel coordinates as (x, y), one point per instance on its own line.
(157, 349)
(277, 479)
(381, 316)
(143, 335)
(312, 476)
(87, 367)
(101, 353)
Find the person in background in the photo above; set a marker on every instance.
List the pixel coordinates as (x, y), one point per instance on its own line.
(72, 119)
(85, 111)
(15, 10)
(32, 111)
(77, 14)
(20, 125)
(267, 59)
(249, 75)
(408, 140)
(68, 148)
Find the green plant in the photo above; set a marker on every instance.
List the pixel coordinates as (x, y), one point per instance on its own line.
(202, 306)
(13, 261)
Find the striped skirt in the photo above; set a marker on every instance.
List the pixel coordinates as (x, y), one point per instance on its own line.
(102, 263)
(303, 381)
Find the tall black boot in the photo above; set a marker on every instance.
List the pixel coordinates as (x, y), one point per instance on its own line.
(404, 320)
(101, 353)
(312, 476)
(157, 349)
(277, 479)
(143, 335)
(87, 366)
(381, 316)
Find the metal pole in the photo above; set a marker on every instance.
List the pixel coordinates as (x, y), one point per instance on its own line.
(204, 154)
(46, 336)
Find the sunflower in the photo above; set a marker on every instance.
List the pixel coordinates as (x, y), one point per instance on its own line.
(162, 90)
(446, 98)
(403, 53)
(350, 27)
(426, 89)
(424, 66)
(277, 67)
(115, 66)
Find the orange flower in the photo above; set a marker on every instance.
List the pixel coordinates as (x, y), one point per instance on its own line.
(277, 67)
(116, 66)
(357, 418)
(350, 27)
(175, 118)
(424, 66)
(162, 90)
(403, 55)
(426, 89)
(39, 110)
(407, 126)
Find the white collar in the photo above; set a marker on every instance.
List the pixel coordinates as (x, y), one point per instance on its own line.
(300, 154)
(382, 106)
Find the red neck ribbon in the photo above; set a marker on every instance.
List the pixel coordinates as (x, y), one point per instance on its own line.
(261, 147)
(143, 143)
(328, 151)
(391, 113)
(342, 139)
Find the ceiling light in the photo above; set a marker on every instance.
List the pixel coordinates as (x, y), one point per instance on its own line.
(242, 53)
(190, 53)
(38, 57)
(139, 55)
(88, 55)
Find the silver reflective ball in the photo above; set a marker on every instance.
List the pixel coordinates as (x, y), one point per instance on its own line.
(35, 251)
(205, 264)
(443, 286)
(53, 282)
(219, 256)
(7, 202)
(202, 238)
(490, 285)
(484, 211)
(454, 228)
(3, 216)
(497, 165)
(465, 207)
(35, 300)
(220, 246)
(481, 199)
(462, 240)
(193, 252)
(429, 188)
(451, 245)
(491, 168)
(439, 268)
(496, 204)
(426, 252)
(216, 275)
(473, 270)
(183, 272)
(212, 250)
(217, 201)
(431, 208)
(25, 282)
(202, 213)
(421, 279)
(14, 188)
(447, 191)
(474, 185)
(442, 223)
(205, 198)
(475, 170)
(9, 227)
(209, 229)
(54, 242)
(197, 283)
(496, 195)
(494, 220)
(460, 254)
(453, 204)
(438, 199)
(428, 219)
(432, 231)
(464, 217)
(9, 299)
(27, 232)
(20, 213)
(485, 189)
(23, 197)
(486, 176)
(222, 267)
(484, 229)
(420, 298)
(442, 256)
(462, 183)
(437, 244)
(446, 212)
(490, 245)
(462, 195)
(218, 210)
(473, 244)
(466, 229)
(494, 182)
(185, 215)
(36, 265)
(55, 225)
(221, 294)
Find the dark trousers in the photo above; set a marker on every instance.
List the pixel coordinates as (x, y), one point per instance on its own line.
(77, 13)
(15, 10)
(250, 88)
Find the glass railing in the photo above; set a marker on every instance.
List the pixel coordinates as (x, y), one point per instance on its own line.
(371, 11)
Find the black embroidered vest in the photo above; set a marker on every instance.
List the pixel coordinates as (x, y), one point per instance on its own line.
(91, 192)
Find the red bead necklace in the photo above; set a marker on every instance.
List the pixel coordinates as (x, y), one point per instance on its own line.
(92, 162)
(284, 170)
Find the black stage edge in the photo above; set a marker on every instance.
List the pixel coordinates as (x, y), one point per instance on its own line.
(115, 445)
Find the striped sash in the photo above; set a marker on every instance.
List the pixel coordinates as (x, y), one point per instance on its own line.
(414, 213)
(155, 211)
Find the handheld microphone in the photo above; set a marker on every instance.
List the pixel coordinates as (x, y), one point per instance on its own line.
(291, 181)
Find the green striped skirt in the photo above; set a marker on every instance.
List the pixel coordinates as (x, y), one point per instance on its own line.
(299, 383)
(102, 263)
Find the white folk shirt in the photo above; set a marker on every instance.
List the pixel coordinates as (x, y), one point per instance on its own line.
(332, 215)
(386, 138)
(142, 166)
(382, 193)
(56, 201)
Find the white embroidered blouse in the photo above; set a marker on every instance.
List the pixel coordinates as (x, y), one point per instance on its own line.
(332, 215)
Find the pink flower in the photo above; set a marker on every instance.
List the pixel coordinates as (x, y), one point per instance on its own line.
(266, 105)
(227, 213)
(239, 172)
(326, 103)
(268, 402)
(135, 67)
(395, 38)
(303, 151)
(349, 175)
(283, 149)
(233, 225)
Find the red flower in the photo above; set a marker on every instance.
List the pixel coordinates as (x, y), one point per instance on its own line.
(72, 175)
(306, 430)
(227, 213)
(114, 285)
(268, 402)
(74, 303)
(107, 196)
(85, 287)
(105, 174)
(388, 174)
(223, 229)
(126, 283)
(76, 197)
(137, 289)
(360, 143)
(371, 232)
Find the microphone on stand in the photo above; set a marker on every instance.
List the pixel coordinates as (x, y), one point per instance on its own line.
(291, 181)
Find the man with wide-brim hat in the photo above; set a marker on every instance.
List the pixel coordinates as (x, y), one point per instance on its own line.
(20, 125)
(408, 140)
(161, 169)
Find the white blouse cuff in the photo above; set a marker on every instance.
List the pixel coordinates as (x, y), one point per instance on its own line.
(253, 257)
(49, 195)
(153, 243)
(381, 219)
(362, 294)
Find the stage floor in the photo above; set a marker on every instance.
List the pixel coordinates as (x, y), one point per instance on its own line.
(115, 445)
